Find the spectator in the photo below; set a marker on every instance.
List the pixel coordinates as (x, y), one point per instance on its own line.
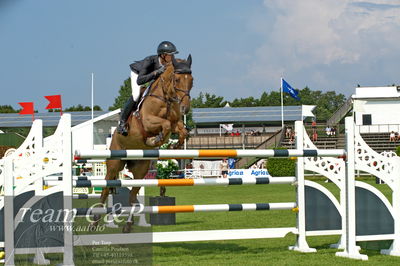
(392, 137)
(314, 125)
(181, 174)
(237, 133)
(254, 166)
(397, 136)
(333, 131)
(189, 169)
(189, 166)
(261, 164)
(288, 132)
(224, 168)
(315, 136)
(328, 131)
(231, 163)
(292, 136)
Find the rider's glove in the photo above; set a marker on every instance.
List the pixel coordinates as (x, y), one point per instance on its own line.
(159, 71)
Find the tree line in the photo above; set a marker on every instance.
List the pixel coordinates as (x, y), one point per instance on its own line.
(326, 102)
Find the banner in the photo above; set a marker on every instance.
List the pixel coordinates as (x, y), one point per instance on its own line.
(227, 127)
(243, 173)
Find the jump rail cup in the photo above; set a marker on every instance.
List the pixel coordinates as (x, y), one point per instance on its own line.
(190, 154)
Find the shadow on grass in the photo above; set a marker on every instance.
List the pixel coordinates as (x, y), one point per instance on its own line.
(189, 222)
(204, 247)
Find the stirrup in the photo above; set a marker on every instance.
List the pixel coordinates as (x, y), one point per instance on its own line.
(121, 129)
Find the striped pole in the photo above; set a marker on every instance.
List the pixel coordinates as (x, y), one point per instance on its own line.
(90, 161)
(60, 178)
(178, 182)
(188, 208)
(86, 196)
(190, 154)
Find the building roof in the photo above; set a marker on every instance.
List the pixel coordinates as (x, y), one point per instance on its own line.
(377, 92)
(51, 119)
(248, 115)
(201, 116)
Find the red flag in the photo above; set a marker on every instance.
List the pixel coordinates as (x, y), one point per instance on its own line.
(54, 102)
(27, 108)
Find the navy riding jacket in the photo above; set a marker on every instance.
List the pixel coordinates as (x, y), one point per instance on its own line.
(145, 69)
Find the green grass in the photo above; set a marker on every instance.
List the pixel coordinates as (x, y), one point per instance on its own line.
(233, 252)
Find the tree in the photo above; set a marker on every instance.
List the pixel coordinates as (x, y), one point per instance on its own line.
(208, 101)
(7, 109)
(80, 108)
(245, 102)
(125, 92)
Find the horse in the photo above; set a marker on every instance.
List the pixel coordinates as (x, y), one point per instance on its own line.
(159, 115)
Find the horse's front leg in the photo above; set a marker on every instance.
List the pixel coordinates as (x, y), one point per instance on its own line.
(181, 130)
(113, 168)
(139, 170)
(157, 124)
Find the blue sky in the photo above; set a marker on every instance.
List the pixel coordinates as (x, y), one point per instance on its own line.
(239, 48)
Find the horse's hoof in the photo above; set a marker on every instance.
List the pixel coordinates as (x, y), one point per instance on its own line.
(96, 218)
(127, 228)
(177, 146)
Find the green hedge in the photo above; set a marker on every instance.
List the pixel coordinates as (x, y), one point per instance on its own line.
(398, 151)
(281, 166)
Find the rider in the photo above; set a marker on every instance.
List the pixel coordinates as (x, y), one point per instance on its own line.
(142, 72)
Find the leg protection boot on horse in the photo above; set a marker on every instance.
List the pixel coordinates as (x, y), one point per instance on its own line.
(130, 105)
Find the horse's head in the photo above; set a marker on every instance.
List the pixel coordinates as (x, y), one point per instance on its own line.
(183, 82)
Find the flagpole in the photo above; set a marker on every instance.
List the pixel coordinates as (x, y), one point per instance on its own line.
(92, 111)
(184, 122)
(282, 102)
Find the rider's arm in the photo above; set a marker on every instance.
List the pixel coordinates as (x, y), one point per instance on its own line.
(146, 72)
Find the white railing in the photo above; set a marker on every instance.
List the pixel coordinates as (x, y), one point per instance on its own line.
(380, 128)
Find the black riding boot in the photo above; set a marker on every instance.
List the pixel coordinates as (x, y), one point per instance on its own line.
(128, 108)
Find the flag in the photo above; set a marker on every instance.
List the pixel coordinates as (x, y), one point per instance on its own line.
(289, 89)
(227, 127)
(27, 108)
(54, 102)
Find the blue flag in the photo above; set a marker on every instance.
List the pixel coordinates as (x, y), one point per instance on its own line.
(287, 88)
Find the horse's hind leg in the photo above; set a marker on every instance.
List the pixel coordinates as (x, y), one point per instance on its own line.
(113, 168)
(139, 170)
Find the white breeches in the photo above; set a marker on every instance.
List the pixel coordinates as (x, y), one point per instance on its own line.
(135, 86)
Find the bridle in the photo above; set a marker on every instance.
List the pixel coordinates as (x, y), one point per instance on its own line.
(178, 99)
(186, 93)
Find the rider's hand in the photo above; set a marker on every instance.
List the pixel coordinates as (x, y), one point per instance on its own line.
(159, 71)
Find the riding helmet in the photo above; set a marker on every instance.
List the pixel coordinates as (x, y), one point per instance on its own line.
(166, 47)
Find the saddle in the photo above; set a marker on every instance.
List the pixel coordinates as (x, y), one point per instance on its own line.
(144, 90)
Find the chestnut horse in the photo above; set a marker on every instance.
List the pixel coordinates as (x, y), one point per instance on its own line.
(160, 115)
